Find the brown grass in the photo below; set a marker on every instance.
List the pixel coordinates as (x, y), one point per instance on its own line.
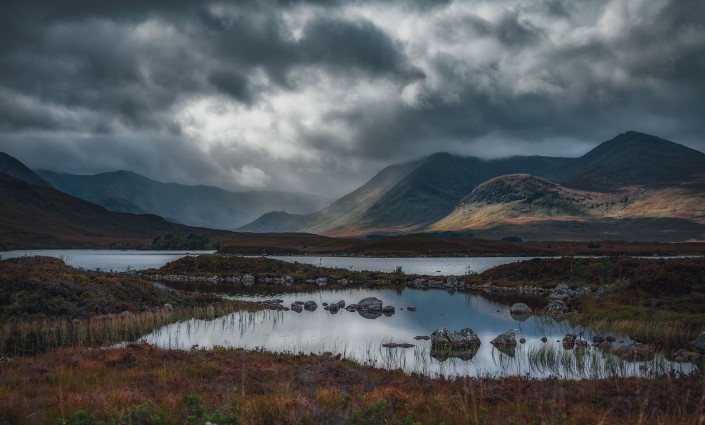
(143, 384)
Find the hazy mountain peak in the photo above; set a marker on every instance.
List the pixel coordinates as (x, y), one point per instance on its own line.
(16, 169)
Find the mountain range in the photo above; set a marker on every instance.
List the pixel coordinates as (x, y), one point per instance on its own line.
(37, 216)
(202, 206)
(635, 186)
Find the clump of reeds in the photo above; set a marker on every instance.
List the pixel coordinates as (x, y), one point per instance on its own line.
(30, 337)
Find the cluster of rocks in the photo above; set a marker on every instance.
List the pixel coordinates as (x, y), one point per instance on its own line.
(523, 289)
(370, 307)
(246, 280)
(422, 283)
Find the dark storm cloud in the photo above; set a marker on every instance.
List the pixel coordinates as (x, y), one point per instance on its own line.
(281, 93)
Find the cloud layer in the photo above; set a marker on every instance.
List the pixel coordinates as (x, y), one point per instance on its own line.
(318, 95)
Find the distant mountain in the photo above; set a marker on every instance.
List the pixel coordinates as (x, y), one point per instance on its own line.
(14, 168)
(35, 216)
(344, 213)
(204, 206)
(633, 175)
(632, 159)
(406, 197)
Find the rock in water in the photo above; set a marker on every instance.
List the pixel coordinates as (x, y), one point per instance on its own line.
(569, 341)
(370, 304)
(310, 305)
(506, 338)
(463, 339)
(636, 351)
(520, 309)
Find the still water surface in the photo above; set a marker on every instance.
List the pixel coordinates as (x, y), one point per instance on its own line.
(360, 338)
(107, 260)
(441, 266)
(118, 261)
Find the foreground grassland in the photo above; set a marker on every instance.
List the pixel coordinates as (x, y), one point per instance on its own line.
(54, 318)
(144, 385)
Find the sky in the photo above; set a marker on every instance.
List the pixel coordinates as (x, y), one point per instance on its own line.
(318, 95)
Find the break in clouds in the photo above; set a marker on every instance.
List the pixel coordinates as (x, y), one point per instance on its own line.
(317, 96)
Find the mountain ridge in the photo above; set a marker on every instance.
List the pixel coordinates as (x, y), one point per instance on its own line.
(197, 205)
(432, 189)
(36, 216)
(16, 169)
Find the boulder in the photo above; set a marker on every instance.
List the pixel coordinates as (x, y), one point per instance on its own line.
(422, 337)
(504, 339)
(520, 309)
(351, 307)
(388, 309)
(598, 339)
(462, 339)
(333, 308)
(635, 351)
(341, 304)
(569, 341)
(522, 340)
(297, 307)
(310, 305)
(411, 308)
(321, 281)
(370, 304)
(544, 339)
(168, 307)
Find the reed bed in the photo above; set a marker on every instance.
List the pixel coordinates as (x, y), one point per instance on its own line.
(31, 337)
(666, 333)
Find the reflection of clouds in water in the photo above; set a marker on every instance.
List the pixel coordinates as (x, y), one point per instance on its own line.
(359, 338)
